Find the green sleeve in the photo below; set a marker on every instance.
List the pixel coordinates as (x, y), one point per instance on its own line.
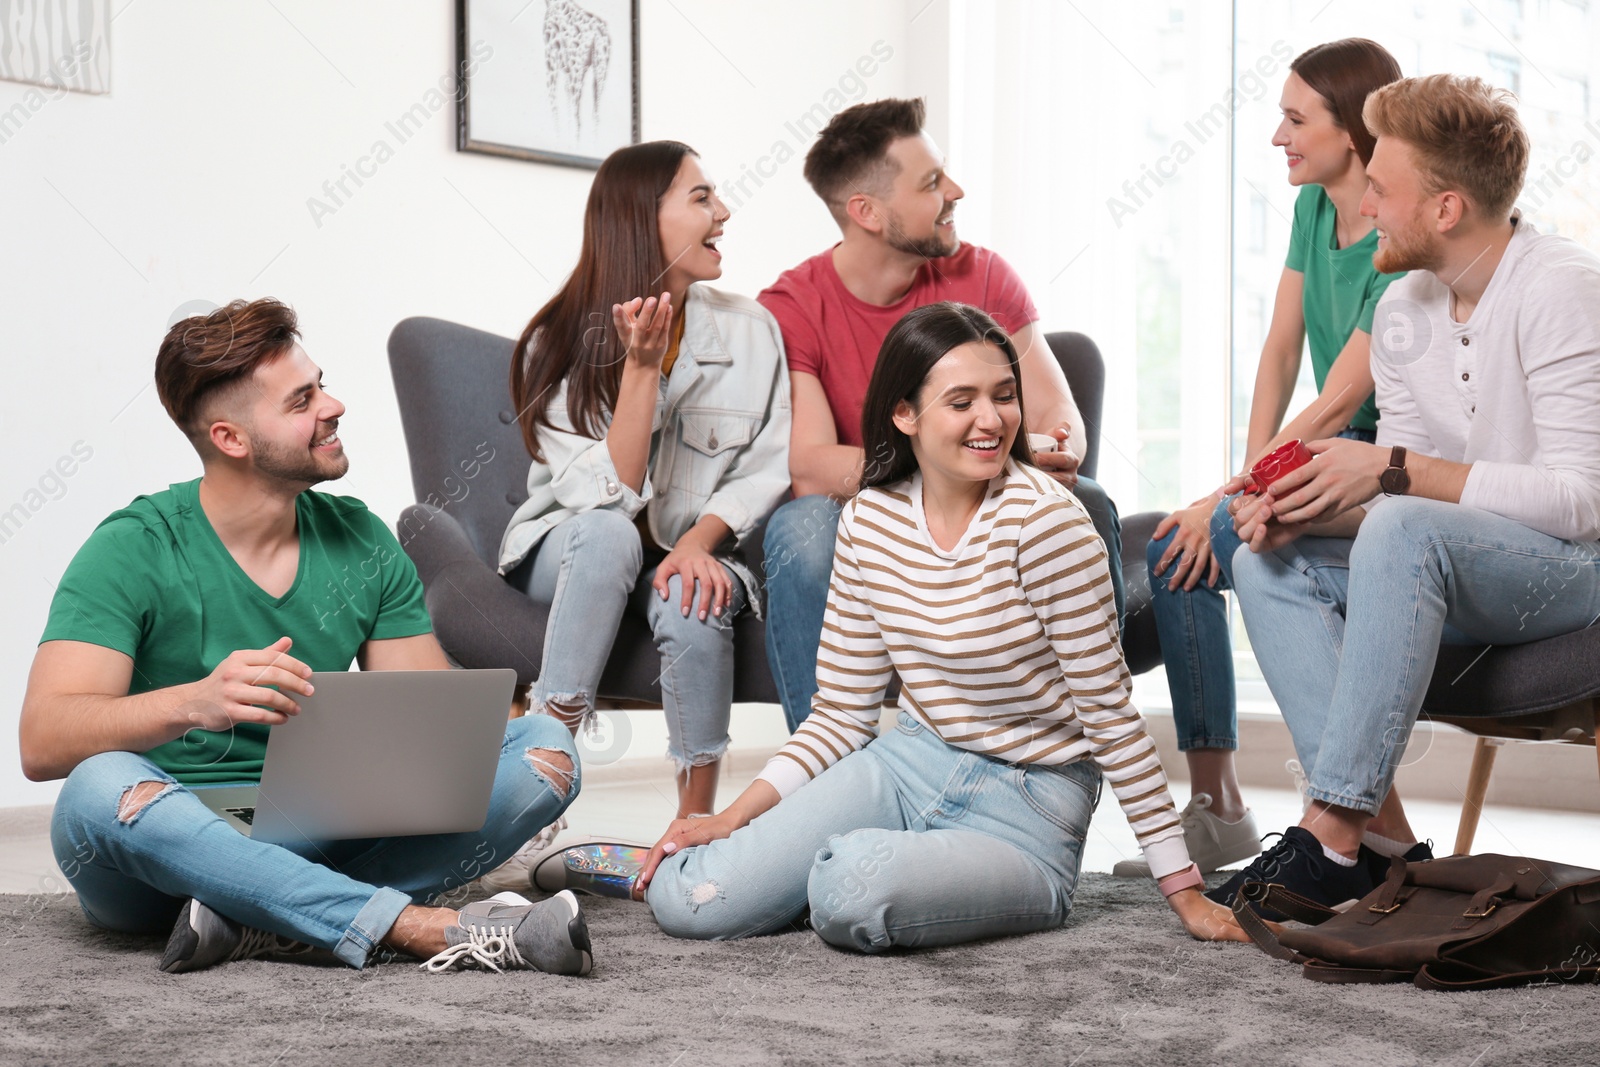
(108, 595)
(1300, 229)
(1369, 306)
(402, 610)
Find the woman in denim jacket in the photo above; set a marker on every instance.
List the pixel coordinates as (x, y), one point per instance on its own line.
(659, 429)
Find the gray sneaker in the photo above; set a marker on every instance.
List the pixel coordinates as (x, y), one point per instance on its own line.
(201, 938)
(507, 932)
(1213, 844)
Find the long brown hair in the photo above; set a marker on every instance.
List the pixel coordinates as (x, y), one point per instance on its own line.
(1343, 73)
(572, 337)
(919, 340)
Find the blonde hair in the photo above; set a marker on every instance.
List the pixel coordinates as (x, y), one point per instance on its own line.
(1465, 134)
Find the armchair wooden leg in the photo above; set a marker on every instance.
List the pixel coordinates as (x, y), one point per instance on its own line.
(1477, 787)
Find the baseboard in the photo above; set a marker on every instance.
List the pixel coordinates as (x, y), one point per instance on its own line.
(1526, 775)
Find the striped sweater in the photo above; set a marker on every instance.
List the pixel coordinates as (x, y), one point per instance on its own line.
(1006, 645)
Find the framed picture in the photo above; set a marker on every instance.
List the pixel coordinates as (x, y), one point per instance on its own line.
(552, 81)
(60, 44)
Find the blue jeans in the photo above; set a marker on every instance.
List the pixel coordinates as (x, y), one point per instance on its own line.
(132, 874)
(589, 569)
(1347, 631)
(1196, 647)
(799, 562)
(907, 842)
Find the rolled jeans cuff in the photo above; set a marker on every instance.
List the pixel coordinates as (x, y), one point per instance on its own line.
(1187, 744)
(371, 923)
(1339, 800)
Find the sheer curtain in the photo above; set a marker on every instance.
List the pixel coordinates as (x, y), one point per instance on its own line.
(1093, 140)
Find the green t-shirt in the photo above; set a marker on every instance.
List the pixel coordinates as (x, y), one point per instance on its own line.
(1341, 290)
(156, 583)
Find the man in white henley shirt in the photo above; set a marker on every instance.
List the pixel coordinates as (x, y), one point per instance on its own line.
(1476, 516)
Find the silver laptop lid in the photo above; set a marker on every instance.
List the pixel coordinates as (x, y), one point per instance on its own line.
(385, 753)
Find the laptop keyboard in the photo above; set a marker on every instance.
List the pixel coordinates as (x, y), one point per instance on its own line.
(244, 815)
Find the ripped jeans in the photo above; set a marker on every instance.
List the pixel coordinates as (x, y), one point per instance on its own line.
(133, 869)
(908, 842)
(589, 570)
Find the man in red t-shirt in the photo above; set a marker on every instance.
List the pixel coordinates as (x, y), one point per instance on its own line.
(884, 181)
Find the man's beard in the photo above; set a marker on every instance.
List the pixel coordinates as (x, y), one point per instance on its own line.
(295, 465)
(1405, 250)
(930, 247)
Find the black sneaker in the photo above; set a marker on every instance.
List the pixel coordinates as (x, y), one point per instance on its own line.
(202, 938)
(1378, 864)
(1298, 864)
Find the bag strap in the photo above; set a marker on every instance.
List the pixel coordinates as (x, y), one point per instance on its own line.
(1264, 938)
(1277, 898)
(1389, 896)
(1333, 973)
(1429, 978)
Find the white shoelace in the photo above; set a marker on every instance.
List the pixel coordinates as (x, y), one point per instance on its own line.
(1301, 782)
(1190, 816)
(544, 838)
(255, 943)
(488, 946)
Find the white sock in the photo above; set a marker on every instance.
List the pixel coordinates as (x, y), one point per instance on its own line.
(1386, 846)
(1341, 860)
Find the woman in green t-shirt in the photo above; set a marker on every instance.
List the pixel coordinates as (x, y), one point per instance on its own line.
(1326, 296)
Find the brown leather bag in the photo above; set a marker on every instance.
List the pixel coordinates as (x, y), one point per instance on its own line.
(1462, 922)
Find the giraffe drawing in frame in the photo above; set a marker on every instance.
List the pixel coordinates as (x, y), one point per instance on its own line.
(577, 54)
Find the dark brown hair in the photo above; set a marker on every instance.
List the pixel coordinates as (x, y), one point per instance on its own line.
(855, 143)
(919, 340)
(572, 337)
(205, 353)
(1343, 73)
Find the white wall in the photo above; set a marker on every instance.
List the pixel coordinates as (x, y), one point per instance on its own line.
(190, 182)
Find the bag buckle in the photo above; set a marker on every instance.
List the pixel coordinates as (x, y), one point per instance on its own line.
(1386, 911)
(1470, 914)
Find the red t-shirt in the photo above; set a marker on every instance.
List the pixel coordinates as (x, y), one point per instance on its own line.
(829, 332)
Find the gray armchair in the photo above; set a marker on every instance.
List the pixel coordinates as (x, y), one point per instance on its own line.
(469, 470)
(1081, 361)
(1540, 691)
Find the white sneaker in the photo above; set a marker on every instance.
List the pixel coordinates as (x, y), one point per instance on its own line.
(1213, 844)
(516, 873)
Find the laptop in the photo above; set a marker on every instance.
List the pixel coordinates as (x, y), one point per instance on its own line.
(377, 754)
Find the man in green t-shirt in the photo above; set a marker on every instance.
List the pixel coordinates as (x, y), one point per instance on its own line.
(167, 659)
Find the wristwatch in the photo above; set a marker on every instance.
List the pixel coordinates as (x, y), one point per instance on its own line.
(1394, 480)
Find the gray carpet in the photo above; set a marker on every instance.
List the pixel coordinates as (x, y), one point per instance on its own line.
(1119, 984)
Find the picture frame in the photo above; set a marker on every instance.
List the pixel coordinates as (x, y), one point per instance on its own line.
(62, 45)
(547, 81)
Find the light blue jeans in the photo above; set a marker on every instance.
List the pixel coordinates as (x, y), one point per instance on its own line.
(1196, 647)
(907, 842)
(133, 874)
(799, 563)
(1347, 631)
(589, 570)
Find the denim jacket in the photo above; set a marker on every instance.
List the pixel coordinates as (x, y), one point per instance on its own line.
(719, 446)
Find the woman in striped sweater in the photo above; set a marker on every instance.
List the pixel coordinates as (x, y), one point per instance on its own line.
(982, 583)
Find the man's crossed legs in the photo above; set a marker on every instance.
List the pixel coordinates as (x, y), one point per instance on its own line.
(136, 845)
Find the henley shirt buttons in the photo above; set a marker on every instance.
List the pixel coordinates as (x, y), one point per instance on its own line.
(1465, 376)
(1466, 341)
